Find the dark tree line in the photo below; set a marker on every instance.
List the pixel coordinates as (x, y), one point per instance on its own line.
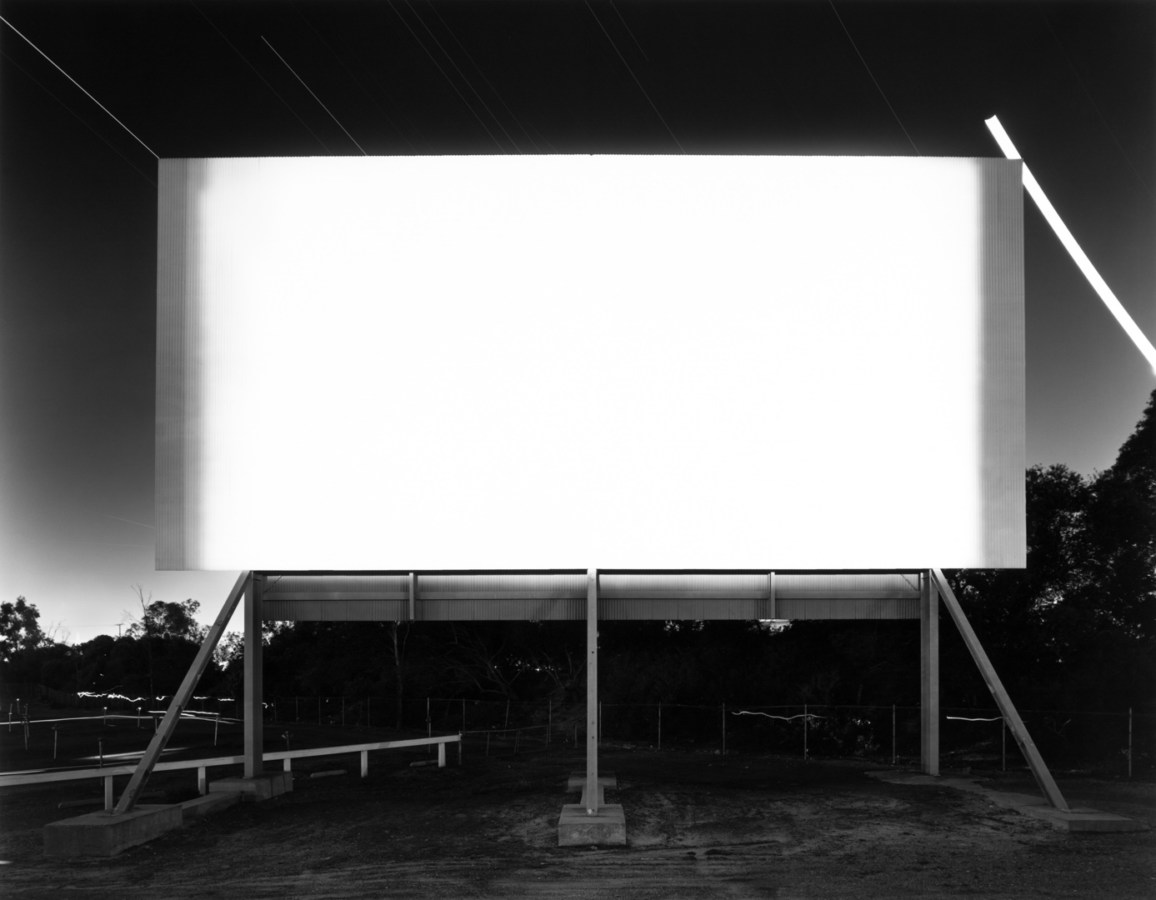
(1074, 630)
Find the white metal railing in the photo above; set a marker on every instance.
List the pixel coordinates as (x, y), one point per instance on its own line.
(108, 773)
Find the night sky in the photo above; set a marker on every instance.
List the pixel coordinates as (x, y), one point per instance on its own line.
(1074, 84)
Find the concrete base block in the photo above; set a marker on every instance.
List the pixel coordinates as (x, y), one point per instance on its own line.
(105, 833)
(209, 804)
(1079, 820)
(1084, 821)
(256, 789)
(607, 828)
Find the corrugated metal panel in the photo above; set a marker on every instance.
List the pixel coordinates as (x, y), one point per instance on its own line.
(827, 608)
(334, 610)
(550, 596)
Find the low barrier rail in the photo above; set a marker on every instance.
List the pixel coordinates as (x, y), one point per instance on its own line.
(108, 773)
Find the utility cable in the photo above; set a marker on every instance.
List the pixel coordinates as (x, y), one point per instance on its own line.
(489, 83)
(263, 79)
(314, 96)
(446, 76)
(635, 77)
(80, 119)
(80, 86)
(871, 75)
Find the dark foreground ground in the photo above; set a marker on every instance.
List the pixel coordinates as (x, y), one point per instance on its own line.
(698, 826)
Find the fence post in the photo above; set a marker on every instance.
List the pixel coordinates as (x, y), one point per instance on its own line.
(724, 729)
(893, 757)
(1002, 744)
(806, 721)
(507, 722)
(1129, 742)
(463, 717)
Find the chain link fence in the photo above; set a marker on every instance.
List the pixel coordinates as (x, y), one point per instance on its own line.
(1114, 743)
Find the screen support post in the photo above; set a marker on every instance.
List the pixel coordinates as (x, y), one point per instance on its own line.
(928, 674)
(254, 680)
(590, 795)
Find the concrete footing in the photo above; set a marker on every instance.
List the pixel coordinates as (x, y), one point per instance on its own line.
(1077, 820)
(106, 833)
(606, 828)
(256, 789)
(208, 804)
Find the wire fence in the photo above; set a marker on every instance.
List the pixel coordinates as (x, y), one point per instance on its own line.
(1116, 743)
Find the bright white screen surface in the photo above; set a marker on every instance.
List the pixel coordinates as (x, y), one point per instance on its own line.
(590, 361)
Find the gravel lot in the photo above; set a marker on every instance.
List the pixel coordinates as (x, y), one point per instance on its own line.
(698, 825)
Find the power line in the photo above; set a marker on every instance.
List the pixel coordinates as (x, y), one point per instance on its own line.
(1096, 106)
(489, 84)
(629, 31)
(80, 119)
(871, 75)
(445, 75)
(263, 79)
(315, 97)
(635, 77)
(462, 74)
(78, 85)
(341, 60)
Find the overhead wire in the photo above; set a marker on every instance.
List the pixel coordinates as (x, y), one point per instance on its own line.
(482, 75)
(262, 78)
(81, 87)
(871, 75)
(629, 31)
(340, 59)
(1096, 106)
(637, 81)
(463, 76)
(320, 102)
(446, 76)
(80, 119)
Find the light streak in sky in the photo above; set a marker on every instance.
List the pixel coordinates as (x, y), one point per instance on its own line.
(1099, 285)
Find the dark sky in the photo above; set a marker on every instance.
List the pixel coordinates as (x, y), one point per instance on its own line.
(1074, 84)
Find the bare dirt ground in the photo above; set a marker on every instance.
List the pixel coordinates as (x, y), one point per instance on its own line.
(698, 825)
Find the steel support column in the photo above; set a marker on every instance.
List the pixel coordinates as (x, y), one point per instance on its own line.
(591, 794)
(254, 679)
(1011, 716)
(928, 674)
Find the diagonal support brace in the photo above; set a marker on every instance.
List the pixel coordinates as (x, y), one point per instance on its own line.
(181, 698)
(1007, 709)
